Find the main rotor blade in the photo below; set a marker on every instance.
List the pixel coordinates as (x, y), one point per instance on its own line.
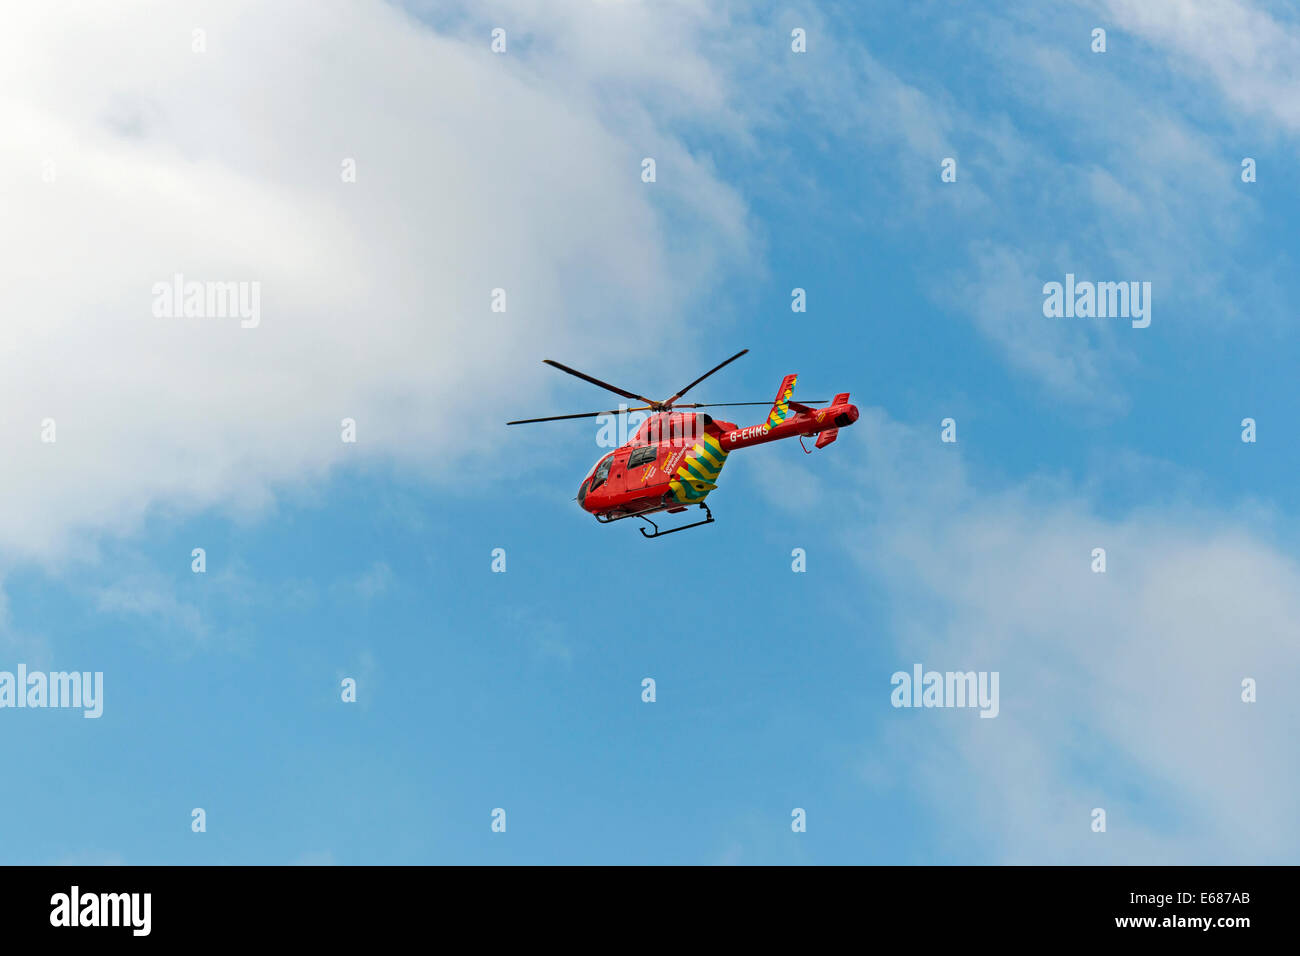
(595, 381)
(651, 408)
(810, 401)
(560, 418)
(669, 402)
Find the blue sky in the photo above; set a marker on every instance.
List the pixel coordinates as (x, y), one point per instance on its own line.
(775, 170)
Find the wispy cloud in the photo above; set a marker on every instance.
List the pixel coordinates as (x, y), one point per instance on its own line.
(1119, 690)
(155, 600)
(1249, 52)
(375, 581)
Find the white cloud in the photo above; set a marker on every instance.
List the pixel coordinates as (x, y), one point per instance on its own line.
(474, 171)
(1065, 164)
(1250, 54)
(1002, 292)
(1118, 690)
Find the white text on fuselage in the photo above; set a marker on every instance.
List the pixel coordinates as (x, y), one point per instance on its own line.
(756, 431)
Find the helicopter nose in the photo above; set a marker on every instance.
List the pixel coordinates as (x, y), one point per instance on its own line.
(582, 496)
(846, 417)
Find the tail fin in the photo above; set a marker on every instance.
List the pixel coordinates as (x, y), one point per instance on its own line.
(830, 434)
(781, 406)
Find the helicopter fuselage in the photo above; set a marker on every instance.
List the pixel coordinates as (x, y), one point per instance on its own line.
(674, 459)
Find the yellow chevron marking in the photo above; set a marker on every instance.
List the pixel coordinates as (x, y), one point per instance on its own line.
(707, 456)
(708, 472)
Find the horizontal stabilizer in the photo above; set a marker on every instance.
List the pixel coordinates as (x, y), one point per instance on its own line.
(826, 437)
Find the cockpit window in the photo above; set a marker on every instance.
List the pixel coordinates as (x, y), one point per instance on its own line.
(602, 472)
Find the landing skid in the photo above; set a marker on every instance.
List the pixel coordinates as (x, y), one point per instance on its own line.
(660, 534)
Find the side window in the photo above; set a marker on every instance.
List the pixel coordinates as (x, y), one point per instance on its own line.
(602, 473)
(642, 456)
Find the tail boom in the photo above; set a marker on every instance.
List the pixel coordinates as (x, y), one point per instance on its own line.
(789, 418)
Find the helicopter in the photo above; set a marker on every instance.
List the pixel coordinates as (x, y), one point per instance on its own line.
(673, 460)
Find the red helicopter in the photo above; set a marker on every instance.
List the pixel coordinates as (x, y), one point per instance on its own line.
(673, 460)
